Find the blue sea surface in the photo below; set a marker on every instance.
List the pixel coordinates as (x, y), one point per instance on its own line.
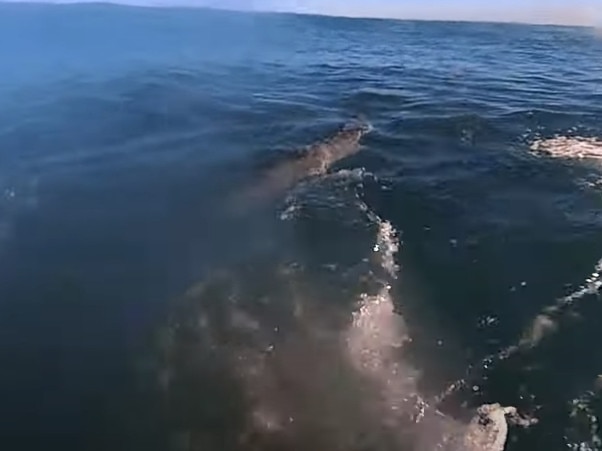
(446, 253)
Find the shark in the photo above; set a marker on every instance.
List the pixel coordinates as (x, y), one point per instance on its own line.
(313, 160)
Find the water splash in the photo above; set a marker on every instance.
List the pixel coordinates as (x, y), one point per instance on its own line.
(377, 333)
(360, 389)
(387, 245)
(374, 340)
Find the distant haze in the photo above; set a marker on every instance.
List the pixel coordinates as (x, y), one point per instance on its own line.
(568, 12)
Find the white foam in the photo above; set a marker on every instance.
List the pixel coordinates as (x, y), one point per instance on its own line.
(372, 341)
(569, 147)
(377, 330)
(585, 434)
(387, 245)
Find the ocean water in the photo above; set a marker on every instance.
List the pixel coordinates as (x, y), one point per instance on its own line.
(146, 302)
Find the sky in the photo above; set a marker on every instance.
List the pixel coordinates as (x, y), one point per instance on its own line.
(582, 12)
(570, 12)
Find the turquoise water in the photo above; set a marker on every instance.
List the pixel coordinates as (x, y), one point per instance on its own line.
(125, 133)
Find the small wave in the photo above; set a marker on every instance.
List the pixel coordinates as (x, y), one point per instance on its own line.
(385, 92)
(545, 322)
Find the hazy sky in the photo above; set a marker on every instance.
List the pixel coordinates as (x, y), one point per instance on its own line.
(586, 12)
(556, 11)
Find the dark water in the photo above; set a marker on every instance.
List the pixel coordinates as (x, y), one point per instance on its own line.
(124, 136)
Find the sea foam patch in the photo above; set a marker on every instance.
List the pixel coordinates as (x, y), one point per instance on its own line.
(569, 147)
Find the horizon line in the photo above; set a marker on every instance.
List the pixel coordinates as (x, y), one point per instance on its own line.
(409, 18)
